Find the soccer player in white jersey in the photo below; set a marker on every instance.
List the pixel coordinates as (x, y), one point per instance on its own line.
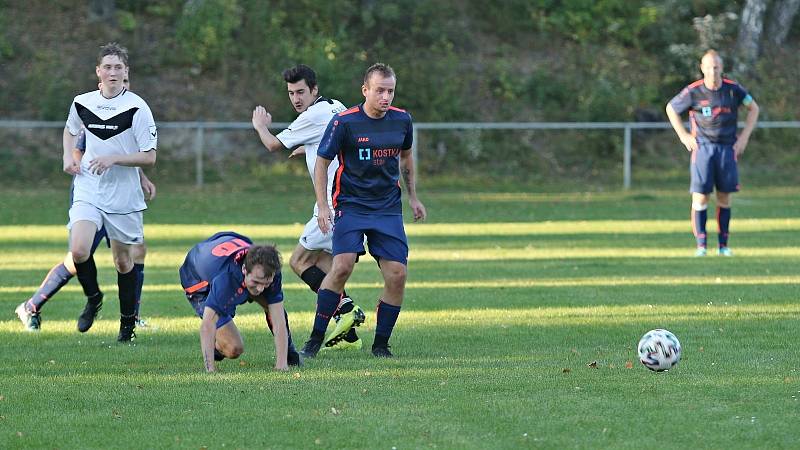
(120, 136)
(311, 260)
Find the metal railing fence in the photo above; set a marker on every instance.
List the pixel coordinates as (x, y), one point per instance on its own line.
(625, 127)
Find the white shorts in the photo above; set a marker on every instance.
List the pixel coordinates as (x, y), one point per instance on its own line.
(126, 228)
(313, 239)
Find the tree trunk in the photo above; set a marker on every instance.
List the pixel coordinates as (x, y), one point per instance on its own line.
(750, 31)
(780, 21)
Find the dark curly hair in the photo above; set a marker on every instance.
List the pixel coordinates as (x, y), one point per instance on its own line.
(267, 256)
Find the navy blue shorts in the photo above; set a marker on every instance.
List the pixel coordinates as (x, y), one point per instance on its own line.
(714, 166)
(99, 235)
(198, 302)
(385, 234)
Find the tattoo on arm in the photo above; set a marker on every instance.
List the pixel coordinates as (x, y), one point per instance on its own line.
(407, 179)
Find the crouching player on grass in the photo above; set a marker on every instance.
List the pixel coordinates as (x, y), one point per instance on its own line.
(223, 272)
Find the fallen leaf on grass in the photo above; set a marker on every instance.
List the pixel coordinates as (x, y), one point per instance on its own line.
(296, 375)
(592, 364)
(19, 434)
(242, 363)
(566, 370)
(335, 411)
(628, 365)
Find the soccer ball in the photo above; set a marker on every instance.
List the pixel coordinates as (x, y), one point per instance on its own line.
(659, 350)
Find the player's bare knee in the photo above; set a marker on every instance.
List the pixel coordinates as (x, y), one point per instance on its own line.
(123, 263)
(80, 255)
(139, 253)
(234, 351)
(395, 277)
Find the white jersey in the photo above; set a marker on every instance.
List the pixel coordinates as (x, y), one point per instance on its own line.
(120, 125)
(307, 130)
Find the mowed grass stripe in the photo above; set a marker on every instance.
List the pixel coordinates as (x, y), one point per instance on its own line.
(48, 233)
(44, 260)
(484, 317)
(496, 283)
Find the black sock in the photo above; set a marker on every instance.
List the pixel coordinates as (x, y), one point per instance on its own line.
(139, 269)
(313, 277)
(87, 276)
(127, 294)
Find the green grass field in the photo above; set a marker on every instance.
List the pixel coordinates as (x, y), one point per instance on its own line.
(511, 296)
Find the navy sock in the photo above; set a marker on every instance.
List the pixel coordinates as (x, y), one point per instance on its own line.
(87, 276)
(387, 317)
(327, 302)
(55, 280)
(127, 295)
(724, 222)
(699, 219)
(139, 269)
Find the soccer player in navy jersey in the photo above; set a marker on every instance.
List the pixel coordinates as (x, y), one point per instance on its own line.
(713, 105)
(372, 143)
(311, 259)
(29, 311)
(223, 272)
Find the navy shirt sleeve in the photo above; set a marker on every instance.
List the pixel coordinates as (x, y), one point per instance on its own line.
(741, 94)
(221, 298)
(682, 102)
(274, 292)
(409, 134)
(332, 139)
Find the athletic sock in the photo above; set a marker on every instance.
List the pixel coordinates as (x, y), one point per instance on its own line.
(327, 302)
(139, 269)
(127, 295)
(724, 222)
(313, 277)
(55, 280)
(87, 276)
(386, 318)
(699, 219)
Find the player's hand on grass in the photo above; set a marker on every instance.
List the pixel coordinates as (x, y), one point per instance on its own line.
(261, 118)
(101, 164)
(298, 151)
(689, 142)
(325, 219)
(418, 209)
(71, 166)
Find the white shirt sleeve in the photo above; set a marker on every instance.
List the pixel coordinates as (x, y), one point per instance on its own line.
(302, 131)
(144, 129)
(73, 120)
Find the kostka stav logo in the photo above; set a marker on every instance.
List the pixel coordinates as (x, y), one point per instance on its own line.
(366, 154)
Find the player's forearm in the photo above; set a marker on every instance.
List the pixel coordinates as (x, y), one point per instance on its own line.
(208, 331)
(677, 123)
(269, 140)
(138, 159)
(68, 142)
(750, 121)
(321, 180)
(408, 174)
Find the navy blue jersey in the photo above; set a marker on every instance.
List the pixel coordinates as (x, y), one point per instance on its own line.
(713, 113)
(214, 266)
(368, 151)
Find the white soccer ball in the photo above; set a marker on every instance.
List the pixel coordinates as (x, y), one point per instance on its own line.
(659, 350)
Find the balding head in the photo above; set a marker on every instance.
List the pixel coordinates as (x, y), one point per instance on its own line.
(711, 66)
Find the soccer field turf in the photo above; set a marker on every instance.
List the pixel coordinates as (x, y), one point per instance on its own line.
(511, 298)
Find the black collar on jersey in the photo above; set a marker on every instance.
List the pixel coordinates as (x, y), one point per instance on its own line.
(320, 99)
(118, 94)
